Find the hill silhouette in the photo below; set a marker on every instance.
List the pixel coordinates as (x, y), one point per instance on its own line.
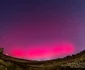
(76, 61)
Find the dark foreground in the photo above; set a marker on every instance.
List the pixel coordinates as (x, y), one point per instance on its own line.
(74, 62)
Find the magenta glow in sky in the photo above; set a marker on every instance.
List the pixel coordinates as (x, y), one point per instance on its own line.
(43, 52)
(42, 29)
(36, 44)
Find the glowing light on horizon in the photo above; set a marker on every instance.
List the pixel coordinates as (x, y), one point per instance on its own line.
(45, 52)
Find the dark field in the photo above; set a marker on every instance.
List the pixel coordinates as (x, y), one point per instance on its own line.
(74, 62)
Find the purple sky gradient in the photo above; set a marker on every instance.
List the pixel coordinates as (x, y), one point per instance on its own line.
(41, 23)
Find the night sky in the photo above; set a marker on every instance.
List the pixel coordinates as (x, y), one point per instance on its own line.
(42, 29)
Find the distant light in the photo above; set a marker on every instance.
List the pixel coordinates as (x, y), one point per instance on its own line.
(6, 54)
